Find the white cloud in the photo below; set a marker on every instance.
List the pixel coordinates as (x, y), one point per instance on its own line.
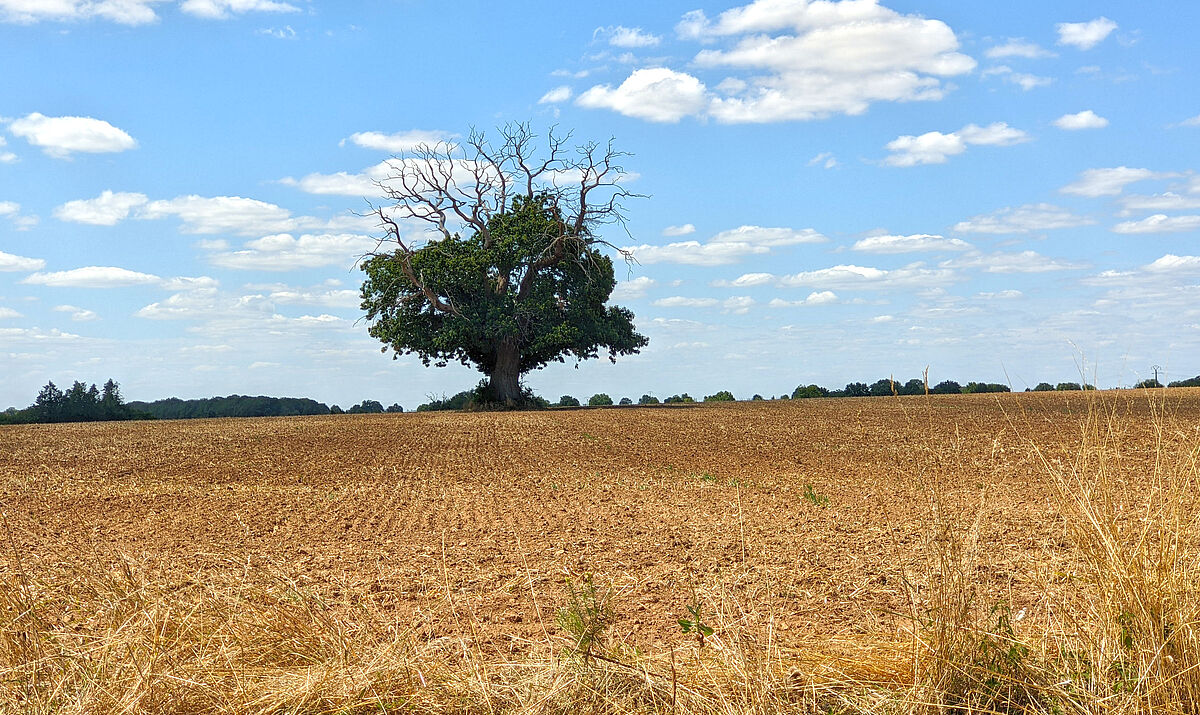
(6, 157)
(851, 277)
(1087, 119)
(1009, 294)
(1168, 201)
(936, 147)
(824, 297)
(747, 280)
(556, 95)
(883, 319)
(59, 137)
(1094, 183)
(1018, 48)
(1159, 223)
(125, 12)
(1022, 262)
(678, 301)
(738, 304)
(629, 37)
(656, 94)
(9, 208)
(9, 313)
(1022, 219)
(1023, 80)
(1189, 122)
(909, 244)
(825, 159)
(399, 142)
(1169, 266)
(223, 9)
(107, 209)
(1085, 35)
(284, 252)
(79, 315)
(221, 214)
(633, 288)
(681, 230)
(725, 247)
(327, 298)
(13, 264)
(93, 277)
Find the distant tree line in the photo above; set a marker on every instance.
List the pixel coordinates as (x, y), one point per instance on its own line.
(79, 403)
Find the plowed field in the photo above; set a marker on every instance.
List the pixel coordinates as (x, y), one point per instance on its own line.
(469, 522)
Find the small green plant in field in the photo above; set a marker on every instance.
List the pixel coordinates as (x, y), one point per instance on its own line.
(813, 497)
(588, 613)
(707, 478)
(695, 623)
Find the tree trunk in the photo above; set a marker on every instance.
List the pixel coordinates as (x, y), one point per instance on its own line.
(504, 383)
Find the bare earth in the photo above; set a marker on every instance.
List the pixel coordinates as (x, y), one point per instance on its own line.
(463, 523)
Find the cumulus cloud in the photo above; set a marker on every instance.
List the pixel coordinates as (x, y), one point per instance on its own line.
(738, 304)
(656, 94)
(60, 137)
(806, 60)
(1018, 48)
(221, 214)
(1085, 35)
(678, 301)
(1170, 266)
(107, 209)
(285, 252)
(79, 315)
(93, 277)
(725, 247)
(9, 208)
(1159, 223)
(330, 298)
(824, 297)
(13, 264)
(6, 157)
(1094, 183)
(556, 95)
(1022, 262)
(399, 142)
(628, 37)
(124, 12)
(1022, 219)
(909, 244)
(633, 288)
(852, 277)
(8, 313)
(1087, 119)
(747, 280)
(681, 230)
(1024, 80)
(1168, 201)
(936, 147)
(224, 9)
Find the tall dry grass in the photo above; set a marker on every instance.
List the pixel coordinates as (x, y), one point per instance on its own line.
(121, 636)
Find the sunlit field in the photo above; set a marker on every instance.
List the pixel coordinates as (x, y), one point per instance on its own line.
(990, 553)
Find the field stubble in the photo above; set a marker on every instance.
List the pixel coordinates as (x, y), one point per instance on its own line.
(886, 555)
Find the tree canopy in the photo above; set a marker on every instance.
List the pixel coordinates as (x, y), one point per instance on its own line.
(524, 283)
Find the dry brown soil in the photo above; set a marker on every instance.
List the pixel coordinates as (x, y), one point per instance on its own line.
(470, 522)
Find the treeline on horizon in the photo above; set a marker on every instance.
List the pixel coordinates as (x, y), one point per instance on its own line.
(83, 403)
(88, 403)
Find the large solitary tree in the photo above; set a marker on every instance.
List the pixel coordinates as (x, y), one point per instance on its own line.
(510, 272)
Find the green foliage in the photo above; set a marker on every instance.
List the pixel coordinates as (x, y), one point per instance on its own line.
(567, 401)
(625, 401)
(695, 624)
(498, 318)
(1044, 387)
(599, 400)
(721, 396)
(1190, 382)
(367, 407)
(757, 398)
(1148, 383)
(174, 408)
(336, 410)
(588, 613)
(856, 389)
(1068, 387)
(812, 497)
(915, 386)
(80, 403)
(809, 391)
(647, 400)
(684, 399)
(981, 387)
(883, 388)
(395, 407)
(946, 387)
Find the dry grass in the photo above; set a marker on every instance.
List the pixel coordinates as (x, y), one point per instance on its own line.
(1117, 627)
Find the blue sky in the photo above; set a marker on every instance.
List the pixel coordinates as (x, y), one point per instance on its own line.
(838, 190)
